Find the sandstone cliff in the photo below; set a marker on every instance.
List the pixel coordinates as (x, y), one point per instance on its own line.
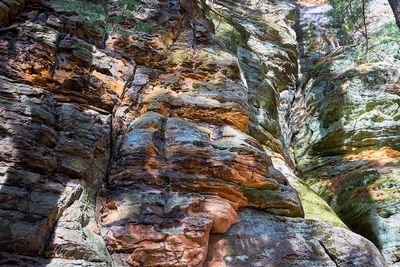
(174, 133)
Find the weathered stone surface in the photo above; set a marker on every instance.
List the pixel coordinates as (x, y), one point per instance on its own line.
(64, 63)
(363, 190)
(83, 19)
(55, 146)
(147, 226)
(267, 55)
(7, 259)
(264, 240)
(99, 80)
(48, 151)
(315, 208)
(212, 92)
(9, 9)
(181, 128)
(135, 135)
(347, 140)
(76, 234)
(193, 156)
(34, 67)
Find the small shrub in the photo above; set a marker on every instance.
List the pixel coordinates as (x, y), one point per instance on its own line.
(348, 14)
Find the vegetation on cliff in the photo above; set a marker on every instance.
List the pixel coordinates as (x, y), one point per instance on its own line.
(196, 133)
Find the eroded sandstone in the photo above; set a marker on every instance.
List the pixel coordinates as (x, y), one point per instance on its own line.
(347, 144)
(132, 138)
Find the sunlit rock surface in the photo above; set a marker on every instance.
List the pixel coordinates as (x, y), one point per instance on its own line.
(132, 138)
(346, 142)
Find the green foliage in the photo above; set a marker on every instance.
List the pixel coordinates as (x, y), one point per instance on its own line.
(94, 15)
(384, 46)
(390, 33)
(116, 19)
(144, 26)
(130, 5)
(348, 14)
(383, 41)
(128, 9)
(139, 26)
(88, 12)
(388, 40)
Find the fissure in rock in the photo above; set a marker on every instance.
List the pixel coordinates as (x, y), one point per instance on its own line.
(137, 133)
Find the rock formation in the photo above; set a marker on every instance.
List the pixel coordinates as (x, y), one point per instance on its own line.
(172, 133)
(347, 145)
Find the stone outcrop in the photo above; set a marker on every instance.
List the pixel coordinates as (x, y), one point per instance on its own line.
(49, 151)
(183, 163)
(265, 240)
(347, 142)
(9, 9)
(153, 134)
(57, 93)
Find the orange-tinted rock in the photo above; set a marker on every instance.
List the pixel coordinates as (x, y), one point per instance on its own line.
(181, 128)
(145, 225)
(99, 79)
(72, 67)
(131, 138)
(222, 214)
(199, 157)
(35, 67)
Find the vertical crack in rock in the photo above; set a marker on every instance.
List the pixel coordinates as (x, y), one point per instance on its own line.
(160, 142)
(57, 90)
(331, 256)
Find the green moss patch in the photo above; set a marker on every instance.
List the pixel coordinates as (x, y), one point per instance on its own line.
(315, 207)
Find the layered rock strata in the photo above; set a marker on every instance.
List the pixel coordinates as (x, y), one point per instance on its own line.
(140, 136)
(347, 142)
(9, 9)
(183, 164)
(57, 94)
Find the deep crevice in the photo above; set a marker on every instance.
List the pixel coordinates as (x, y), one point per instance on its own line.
(330, 255)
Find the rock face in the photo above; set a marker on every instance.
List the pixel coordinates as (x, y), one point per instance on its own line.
(153, 134)
(265, 240)
(347, 142)
(183, 163)
(57, 93)
(9, 9)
